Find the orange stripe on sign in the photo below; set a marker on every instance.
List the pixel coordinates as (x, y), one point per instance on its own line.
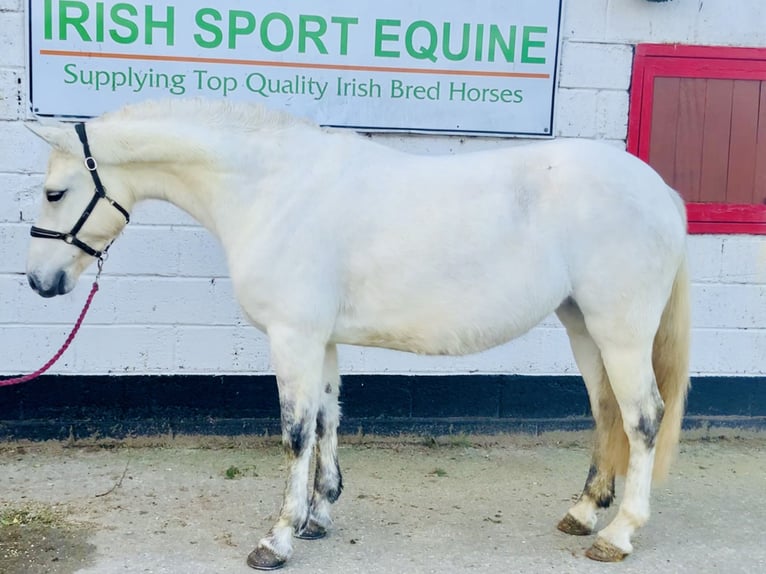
(267, 63)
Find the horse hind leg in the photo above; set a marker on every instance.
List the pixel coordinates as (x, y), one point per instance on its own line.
(328, 480)
(644, 346)
(630, 371)
(598, 492)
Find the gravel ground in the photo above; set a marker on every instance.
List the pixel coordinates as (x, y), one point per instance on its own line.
(197, 505)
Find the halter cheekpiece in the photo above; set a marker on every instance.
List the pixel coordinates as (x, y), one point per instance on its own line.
(99, 193)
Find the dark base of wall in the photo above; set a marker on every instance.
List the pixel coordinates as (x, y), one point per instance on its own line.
(62, 407)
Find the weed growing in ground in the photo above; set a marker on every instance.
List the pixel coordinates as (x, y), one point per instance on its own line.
(31, 514)
(235, 472)
(461, 440)
(440, 472)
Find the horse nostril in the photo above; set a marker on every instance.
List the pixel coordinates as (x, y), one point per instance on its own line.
(61, 283)
(57, 287)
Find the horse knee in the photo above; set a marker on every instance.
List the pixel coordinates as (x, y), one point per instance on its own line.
(321, 428)
(296, 431)
(296, 444)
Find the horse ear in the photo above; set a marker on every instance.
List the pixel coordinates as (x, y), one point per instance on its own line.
(58, 135)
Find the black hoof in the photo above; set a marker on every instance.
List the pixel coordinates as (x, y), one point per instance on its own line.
(263, 558)
(312, 531)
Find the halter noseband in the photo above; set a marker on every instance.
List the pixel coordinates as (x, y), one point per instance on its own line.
(99, 193)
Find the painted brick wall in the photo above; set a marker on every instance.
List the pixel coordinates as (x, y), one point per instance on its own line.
(166, 304)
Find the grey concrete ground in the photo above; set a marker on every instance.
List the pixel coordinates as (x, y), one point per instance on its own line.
(479, 504)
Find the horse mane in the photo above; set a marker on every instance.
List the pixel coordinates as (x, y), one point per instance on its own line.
(180, 129)
(247, 116)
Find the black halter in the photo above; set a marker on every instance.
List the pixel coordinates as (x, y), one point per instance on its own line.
(99, 193)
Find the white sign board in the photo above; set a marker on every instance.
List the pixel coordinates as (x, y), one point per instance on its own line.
(481, 67)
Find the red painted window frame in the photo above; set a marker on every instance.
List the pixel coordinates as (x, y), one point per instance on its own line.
(681, 61)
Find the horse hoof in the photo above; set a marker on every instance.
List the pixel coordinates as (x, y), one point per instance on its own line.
(570, 525)
(263, 558)
(604, 551)
(312, 531)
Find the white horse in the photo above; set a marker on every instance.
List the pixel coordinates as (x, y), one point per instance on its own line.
(334, 239)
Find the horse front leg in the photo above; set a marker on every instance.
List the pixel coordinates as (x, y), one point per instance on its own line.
(328, 481)
(297, 359)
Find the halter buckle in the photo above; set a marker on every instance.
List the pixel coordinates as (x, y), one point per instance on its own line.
(100, 263)
(91, 164)
(68, 238)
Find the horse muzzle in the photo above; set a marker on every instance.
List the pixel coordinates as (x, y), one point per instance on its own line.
(57, 284)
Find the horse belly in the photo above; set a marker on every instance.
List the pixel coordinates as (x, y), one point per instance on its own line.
(454, 320)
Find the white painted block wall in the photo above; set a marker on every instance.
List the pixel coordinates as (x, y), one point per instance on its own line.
(166, 304)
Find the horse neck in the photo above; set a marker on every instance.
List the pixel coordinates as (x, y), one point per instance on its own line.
(188, 168)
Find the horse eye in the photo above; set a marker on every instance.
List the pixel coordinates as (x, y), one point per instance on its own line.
(54, 195)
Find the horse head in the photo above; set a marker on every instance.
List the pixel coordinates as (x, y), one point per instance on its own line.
(76, 210)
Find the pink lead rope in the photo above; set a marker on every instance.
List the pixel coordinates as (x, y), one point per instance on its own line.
(64, 347)
(71, 239)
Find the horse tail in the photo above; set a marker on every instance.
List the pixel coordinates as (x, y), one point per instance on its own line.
(670, 359)
(670, 362)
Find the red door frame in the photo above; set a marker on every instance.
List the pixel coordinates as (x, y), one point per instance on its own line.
(677, 61)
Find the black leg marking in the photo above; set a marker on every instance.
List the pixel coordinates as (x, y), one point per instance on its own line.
(294, 433)
(326, 489)
(298, 438)
(328, 388)
(320, 424)
(592, 472)
(333, 494)
(649, 427)
(599, 489)
(324, 486)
